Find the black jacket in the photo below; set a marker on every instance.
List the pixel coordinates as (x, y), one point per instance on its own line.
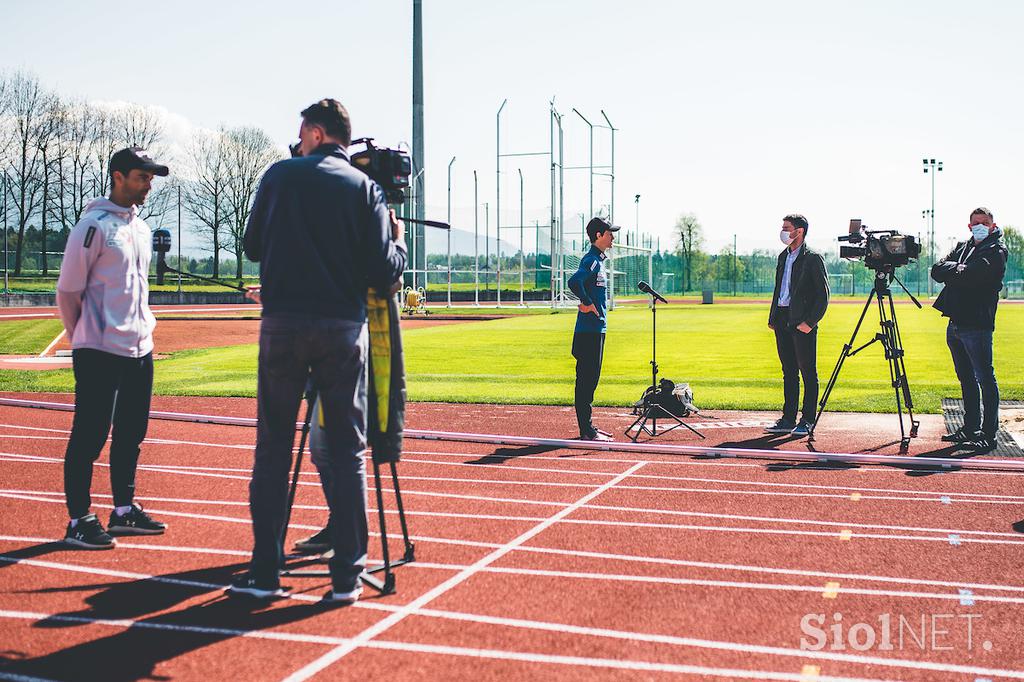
(808, 288)
(321, 233)
(969, 297)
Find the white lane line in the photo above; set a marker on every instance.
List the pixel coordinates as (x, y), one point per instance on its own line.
(53, 343)
(672, 640)
(382, 626)
(444, 650)
(958, 587)
(604, 556)
(772, 520)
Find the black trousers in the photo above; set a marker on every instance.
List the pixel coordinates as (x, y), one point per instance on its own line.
(109, 389)
(799, 355)
(588, 349)
(333, 353)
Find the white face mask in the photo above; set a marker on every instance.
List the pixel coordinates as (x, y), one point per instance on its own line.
(786, 237)
(979, 231)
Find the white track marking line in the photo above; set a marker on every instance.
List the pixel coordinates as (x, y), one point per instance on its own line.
(53, 343)
(597, 576)
(557, 627)
(945, 532)
(521, 656)
(382, 626)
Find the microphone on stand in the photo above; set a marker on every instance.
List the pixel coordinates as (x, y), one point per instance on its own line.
(161, 244)
(646, 288)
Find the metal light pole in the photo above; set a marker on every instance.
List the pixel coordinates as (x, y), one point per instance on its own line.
(497, 186)
(591, 172)
(7, 290)
(476, 244)
(450, 232)
(522, 254)
(735, 265)
(611, 208)
(179, 243)
(935, 167)
(636, 200)
(926, 216)
(418, 148)
(487, 243)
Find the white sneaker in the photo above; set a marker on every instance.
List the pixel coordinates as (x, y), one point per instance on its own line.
(350, 597)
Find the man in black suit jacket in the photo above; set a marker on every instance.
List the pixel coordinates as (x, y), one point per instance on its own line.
(798, 304)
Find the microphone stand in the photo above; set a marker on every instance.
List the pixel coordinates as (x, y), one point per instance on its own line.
(652, 409)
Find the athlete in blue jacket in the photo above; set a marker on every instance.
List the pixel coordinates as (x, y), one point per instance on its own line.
(590, 285)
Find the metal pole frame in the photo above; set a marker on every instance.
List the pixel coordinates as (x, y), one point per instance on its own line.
(7, 288)
(449, 305)
(179, 242)
(590, 173)
(476, 243)
(497, 200)
(522, 248)
(611, 208)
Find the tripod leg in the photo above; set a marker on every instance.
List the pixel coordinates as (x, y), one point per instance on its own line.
(839, 365)
(388, 586)
(310, 404)
(410, 550)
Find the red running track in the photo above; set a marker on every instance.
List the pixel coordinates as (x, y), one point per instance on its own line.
(530, 563)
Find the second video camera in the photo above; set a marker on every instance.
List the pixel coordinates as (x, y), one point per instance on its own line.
(881, 250)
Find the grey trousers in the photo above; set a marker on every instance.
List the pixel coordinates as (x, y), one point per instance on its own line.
(332, 353)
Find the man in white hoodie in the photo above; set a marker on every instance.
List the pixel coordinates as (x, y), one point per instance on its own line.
(103, 297)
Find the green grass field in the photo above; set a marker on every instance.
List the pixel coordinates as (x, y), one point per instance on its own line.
(726, 352)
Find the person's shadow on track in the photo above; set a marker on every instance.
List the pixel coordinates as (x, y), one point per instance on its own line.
(156, 634)
(502, 455)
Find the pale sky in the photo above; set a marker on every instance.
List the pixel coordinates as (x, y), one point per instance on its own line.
(739, 112)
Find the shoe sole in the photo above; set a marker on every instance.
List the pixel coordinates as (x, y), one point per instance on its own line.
(254, 592)
(123, 530)
(85, 545)
(346, 600)
(779, 430)
(311, 549)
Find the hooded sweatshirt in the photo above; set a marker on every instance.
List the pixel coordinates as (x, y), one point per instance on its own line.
(103, 288)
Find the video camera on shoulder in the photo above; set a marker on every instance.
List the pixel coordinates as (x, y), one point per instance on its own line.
(389, 168)
(882, 250)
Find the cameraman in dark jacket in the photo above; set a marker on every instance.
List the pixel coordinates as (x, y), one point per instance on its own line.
(322, 233)
(798, 304)
(973, 276)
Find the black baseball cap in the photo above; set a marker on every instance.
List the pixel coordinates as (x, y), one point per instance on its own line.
(599, 225)
(131, 158)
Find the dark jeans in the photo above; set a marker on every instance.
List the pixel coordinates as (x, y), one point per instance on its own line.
(972, 358)
(588, 349)
(799, 355)
(109, 389)
(333, 353)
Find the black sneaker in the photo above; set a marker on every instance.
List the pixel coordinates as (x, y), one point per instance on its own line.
(802, 429)
(782, 426)
(981, 444)
(135, 522)
(961, 435)
(88, 533)
(315, 544)
(250, 586)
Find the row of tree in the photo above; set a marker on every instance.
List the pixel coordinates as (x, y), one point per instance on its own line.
(54, 155)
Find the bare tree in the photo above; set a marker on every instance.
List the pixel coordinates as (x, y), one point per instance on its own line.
(33, 119)
(248, 153)
(691, 238)
(204, 196)
(73, 154)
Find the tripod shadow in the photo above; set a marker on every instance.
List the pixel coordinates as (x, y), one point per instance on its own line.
(8, 559)
(156, 635)
(502, 455)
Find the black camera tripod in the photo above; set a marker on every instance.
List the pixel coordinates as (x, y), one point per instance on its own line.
(385, 586)
(652, 409)
(889, 337)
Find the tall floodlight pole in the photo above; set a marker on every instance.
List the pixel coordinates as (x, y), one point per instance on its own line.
(554, 118)
(450, 232)
(178, 266)
(418, 152)
(497, 187)
(636, 200)
(933, 166)
(476, 243)
(487, 243)
(611, 208)
(591, 173)
(522, 256)
(7, 289)
(735, 265)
